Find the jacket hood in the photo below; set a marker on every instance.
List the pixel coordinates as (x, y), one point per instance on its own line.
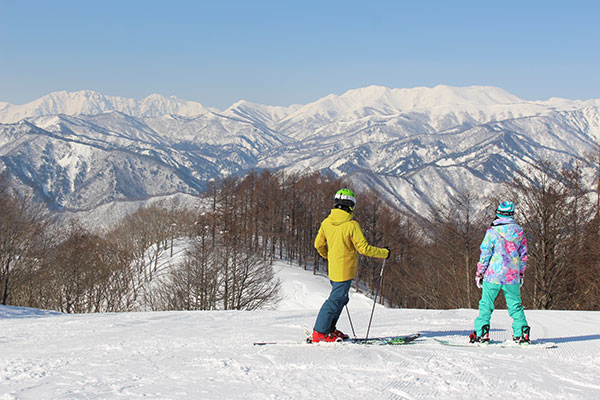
(508, 229)
(337, 216)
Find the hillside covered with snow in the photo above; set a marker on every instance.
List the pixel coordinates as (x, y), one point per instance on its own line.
(418, 147)
(210, 354)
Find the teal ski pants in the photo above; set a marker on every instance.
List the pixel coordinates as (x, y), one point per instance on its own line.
(512, 294)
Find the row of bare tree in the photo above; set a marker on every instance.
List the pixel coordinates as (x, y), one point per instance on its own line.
(132, 266)
(247, 223)
(561, 218)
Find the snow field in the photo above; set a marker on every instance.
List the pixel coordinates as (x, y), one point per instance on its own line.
(210, 354)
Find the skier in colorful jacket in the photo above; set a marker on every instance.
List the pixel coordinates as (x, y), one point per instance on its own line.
(502, 266)
(339, 240)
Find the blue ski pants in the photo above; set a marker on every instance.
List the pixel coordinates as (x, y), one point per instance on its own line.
(333, 306)
(512, 294)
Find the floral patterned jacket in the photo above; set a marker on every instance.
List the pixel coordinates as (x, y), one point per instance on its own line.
(503, 252)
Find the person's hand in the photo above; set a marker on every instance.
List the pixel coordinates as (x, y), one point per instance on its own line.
(478, 279)
(521, 276)
(389, 252)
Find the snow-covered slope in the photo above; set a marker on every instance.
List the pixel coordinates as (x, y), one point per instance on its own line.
(210, 355)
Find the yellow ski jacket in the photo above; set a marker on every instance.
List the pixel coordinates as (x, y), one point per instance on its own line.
(339, 239)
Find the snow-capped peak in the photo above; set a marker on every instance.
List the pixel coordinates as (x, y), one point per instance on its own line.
(90, 102)
(353, 103)
(383, 98)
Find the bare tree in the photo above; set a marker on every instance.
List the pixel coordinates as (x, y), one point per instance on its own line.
(201, 282)
(23, 237)
(454, 236)
(146, 235)
(555, 212)
(253, 282)
(85, 273)
(193, 284)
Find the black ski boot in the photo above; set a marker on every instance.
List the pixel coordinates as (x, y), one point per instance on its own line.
(484, 338)
(524, 338)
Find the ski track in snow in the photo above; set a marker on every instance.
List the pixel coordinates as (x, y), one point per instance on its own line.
(210, 355)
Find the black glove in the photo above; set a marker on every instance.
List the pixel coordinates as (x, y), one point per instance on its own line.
(389, 252)
(479, 280)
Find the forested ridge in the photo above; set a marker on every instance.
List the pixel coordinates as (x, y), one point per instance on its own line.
(248, 222)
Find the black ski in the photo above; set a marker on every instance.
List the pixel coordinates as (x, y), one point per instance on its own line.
(387, 340)
(381, 340)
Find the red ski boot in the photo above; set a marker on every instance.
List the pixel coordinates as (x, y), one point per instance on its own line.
(324, 337)
(340, 334)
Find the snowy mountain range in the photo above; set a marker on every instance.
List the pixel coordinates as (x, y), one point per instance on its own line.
(81, 150)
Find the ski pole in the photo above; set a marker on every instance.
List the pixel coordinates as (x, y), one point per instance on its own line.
(375, 299)
(350, 319)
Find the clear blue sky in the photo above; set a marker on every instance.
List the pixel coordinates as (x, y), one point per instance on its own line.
(285, 52)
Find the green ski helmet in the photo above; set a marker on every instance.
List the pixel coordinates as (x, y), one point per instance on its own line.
(345, 198)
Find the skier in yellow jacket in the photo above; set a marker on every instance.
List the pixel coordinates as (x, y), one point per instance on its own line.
(339, 240)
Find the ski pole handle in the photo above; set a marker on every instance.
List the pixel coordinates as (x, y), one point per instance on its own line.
(382, 267)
